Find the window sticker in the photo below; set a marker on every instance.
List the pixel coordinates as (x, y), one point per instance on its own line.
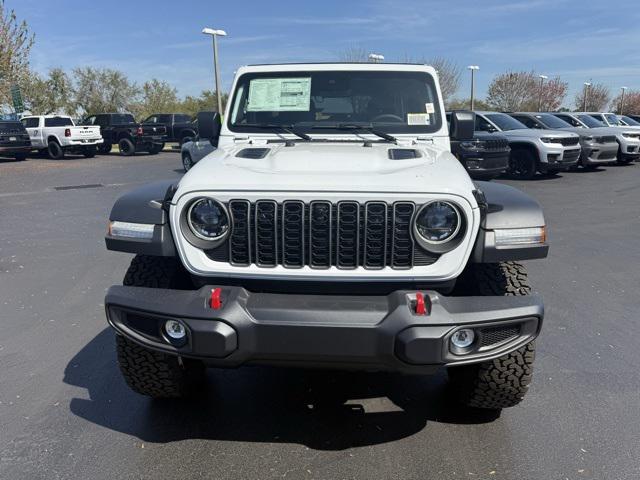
(418, 119)
(429, 108)
(279, 95)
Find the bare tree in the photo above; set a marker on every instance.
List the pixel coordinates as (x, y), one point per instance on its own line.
(15, 44)
(598, 98)
(512, 91)
(449, 73)
(554, 91)
(103, 90)
(354, 53)
(631, 103)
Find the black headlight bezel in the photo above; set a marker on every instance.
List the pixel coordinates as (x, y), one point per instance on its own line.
(198, 240)
(440, 246)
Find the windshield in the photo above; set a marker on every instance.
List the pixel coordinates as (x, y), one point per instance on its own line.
(58, 122)
(122, 119)
(630, 121)
(590, 122)
(613, 120)
(392, 101)
(505, 122)
(551, 121)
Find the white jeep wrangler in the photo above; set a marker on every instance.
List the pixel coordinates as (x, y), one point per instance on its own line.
(332, 228)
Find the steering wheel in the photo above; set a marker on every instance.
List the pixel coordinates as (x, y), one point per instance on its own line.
(388, 116)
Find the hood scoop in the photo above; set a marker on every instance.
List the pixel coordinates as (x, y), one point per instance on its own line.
(403, 153)
(253, 153)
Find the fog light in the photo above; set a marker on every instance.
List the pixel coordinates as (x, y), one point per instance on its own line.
(176, 331)
(463, 338)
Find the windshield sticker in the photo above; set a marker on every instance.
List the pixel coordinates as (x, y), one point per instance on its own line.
(279, 95)
(430, 108)
(418, 119)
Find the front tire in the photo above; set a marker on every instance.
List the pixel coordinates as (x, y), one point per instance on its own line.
(127, 148)
(55, 151)
(187, 162)
(522, 164)
(503, 382)
(147, 372)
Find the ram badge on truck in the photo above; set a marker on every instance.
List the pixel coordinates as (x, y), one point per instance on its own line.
(331, 227)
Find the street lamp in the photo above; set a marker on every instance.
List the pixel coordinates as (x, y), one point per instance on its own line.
(376, 58)
(542, 79)
(586, 95)
(622, 100)
(473, 69)
(214, 34)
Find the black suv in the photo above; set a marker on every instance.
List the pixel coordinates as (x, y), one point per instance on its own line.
(14, 140)
(131, 137)
(486, 156)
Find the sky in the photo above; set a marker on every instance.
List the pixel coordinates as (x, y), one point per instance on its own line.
(579, 40)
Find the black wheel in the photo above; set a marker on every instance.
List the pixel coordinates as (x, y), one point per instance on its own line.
(89, 152)
(186, 138)
(522, 164)
(127, 148)
(156, 148)
(621, 159)
(55, 151)
(148, 372)
(187, 162)
(20, 157)
(104, 148)
(502, 382)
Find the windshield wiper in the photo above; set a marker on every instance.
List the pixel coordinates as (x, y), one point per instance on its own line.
(355, 126)
(292, 129)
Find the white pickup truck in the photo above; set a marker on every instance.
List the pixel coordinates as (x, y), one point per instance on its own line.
(56, 135)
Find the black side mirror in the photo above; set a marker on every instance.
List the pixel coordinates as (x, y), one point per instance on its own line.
(209, 125)
(463, 124)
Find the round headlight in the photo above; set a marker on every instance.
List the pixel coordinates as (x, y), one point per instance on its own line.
(208, 219)
(437, 222)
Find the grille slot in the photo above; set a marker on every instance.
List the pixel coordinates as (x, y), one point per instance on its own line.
(321, 235)
(495, 335)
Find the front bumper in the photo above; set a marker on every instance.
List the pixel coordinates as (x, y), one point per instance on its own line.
(598, 153)
(485, 164)
(4, 150)
(347, 332)
(85, 142)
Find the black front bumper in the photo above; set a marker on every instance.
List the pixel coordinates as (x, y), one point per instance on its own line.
(351, 332)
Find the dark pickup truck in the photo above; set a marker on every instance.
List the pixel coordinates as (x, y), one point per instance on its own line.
(180, 126)
(14, 140)
(131, 137)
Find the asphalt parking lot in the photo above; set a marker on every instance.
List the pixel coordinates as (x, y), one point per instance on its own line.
(66, 413)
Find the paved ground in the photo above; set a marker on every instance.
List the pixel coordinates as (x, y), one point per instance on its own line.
(66, 413)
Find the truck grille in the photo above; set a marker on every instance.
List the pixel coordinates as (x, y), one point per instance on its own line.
(568, 142)
(496, 144)
(571, 155)
(321, 234)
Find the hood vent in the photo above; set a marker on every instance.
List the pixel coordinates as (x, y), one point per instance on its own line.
(253, 153)
(403, 153)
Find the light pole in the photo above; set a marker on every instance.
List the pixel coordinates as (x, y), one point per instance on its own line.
(542, 79)
(473, 69)
(586, 95)
(376, 58)
(214, 34)
(622, 100)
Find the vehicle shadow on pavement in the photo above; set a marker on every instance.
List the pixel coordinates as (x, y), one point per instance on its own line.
(323, 410)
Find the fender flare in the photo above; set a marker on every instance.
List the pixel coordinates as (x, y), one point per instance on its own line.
(506, 207)
(147, 205)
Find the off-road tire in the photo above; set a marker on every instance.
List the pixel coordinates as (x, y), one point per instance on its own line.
(148, 372)
(20, 157)
(187, 162)
(502, 382)
(522, 164)
(127, 148)
(156, 148)
(104, 148)
(155, 374)
(54, 150)
(89, 152)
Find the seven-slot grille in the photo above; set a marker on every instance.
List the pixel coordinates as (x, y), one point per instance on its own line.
(496, 144)
(321, 234)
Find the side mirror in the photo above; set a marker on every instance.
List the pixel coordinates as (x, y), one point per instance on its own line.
(209, 125)
(463, 124)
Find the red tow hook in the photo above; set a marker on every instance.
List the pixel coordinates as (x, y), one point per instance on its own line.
(216, 300)
(421, 307)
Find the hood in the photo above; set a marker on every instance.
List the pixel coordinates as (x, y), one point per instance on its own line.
(329, 167)
(535, 133)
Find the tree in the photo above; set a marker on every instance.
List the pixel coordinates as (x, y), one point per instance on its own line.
(15, 44)
(521, 91)
(554, 91)
(207, 101)
(448, 73)
(54, 94)
(354, 53)
(157, 97)
(465, 104)
(104, 90)
(597, 99)
(631, 103)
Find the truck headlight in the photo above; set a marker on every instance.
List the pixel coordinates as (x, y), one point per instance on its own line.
(208, 219)
(436, 223)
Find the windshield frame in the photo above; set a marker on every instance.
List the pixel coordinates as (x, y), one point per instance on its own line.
(394, 128)
(581, 118)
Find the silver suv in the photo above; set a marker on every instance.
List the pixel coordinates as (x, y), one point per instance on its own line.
(532, 150)
(599, 145)
(628, 138)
